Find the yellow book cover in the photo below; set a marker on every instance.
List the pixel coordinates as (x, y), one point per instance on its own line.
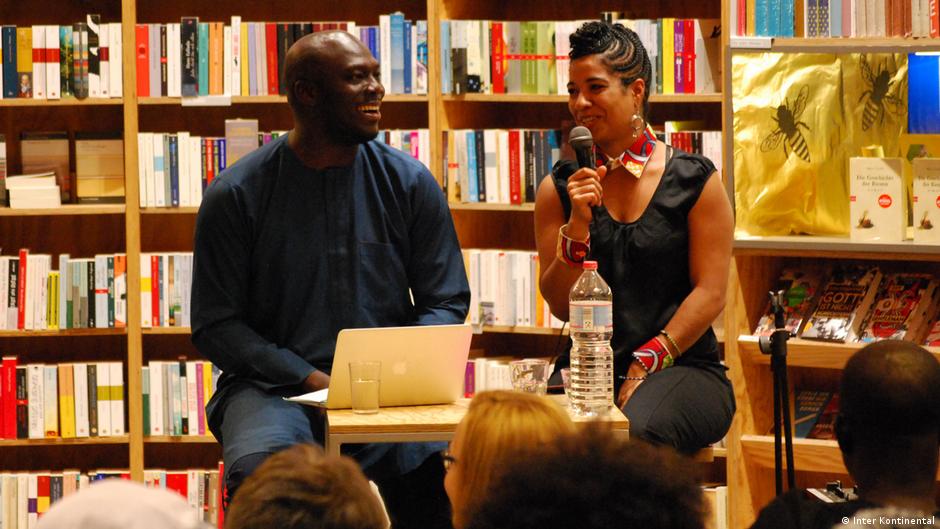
(453, 169)
(52, 301)
(668, 55)
(751, 24)
(539, 300)
(24, 60)
(66, 402)
(216, 69)
(206, 392)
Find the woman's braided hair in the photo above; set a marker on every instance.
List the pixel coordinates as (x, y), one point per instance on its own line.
(621, 50)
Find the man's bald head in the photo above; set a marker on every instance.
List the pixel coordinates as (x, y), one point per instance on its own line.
(312, 54)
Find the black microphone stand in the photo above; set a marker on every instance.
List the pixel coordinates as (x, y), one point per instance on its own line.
(776, 346)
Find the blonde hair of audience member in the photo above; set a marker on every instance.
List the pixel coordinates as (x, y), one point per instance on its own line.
(121, 504)
(301, 488)
(497, 424)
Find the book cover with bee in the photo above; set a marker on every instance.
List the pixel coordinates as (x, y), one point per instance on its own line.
(877, 209)
(843, 304)
(800, 291)
(926, 200)
(899, 311)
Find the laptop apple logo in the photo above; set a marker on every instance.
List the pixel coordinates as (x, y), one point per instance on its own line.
(399, 368)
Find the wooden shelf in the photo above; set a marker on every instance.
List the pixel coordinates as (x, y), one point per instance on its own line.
(506, 329)
(66, 209)
(809, 353)
(849, 45)
(815, 455)
(248, 100)
(58, 441)
(833, 247)
(563, 98)
(67, 102)
(169, 211)
(180, 439)
(66, 332)
(167, 330)
(483, 206)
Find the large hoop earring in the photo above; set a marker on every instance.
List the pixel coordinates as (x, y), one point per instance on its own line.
(638, 124)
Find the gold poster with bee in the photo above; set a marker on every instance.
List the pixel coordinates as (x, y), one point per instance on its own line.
(798, 118)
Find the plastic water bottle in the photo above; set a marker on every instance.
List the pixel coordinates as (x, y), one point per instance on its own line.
(590, 312)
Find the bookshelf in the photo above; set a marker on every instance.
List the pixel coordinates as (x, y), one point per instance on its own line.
(84, 230)
(757, 263)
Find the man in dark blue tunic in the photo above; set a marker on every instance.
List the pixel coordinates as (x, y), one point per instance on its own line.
(317, 231)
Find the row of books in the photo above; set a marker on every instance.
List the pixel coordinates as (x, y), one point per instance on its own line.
(504, 289)
(82, 293)
(836, 18)
(175, 168)
(53, 62)
(166, 281)
(175, 396)
(878, 203)
(856, 302)
(531, 57)
(26, 497)
(69, 400)
(498, 166)
(193, 58)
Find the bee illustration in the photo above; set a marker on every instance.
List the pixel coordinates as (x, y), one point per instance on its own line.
(788, 123)
(879, 86)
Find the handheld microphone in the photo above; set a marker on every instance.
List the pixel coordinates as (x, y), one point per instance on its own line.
(581, 141)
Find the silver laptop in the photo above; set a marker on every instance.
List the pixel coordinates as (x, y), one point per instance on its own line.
(422, 364)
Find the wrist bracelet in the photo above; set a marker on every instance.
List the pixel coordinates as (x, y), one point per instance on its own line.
(571, 251)
(675, 346)
(653, 356)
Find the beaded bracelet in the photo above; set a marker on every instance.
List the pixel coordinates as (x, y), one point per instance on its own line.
(570, 251)
(653, 356)
(675, 346)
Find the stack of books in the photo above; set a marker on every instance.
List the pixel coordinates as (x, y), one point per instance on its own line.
(38, 190)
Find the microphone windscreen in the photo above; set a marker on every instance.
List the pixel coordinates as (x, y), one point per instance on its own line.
(580, 138)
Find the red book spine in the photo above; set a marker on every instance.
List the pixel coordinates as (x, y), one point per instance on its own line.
(515, 184)
(210, 166)
(21, 291)
(222, 504)
(9, 398)
(688, 29)
(143, 60)
(499, 59)
(934, 20)
(742, 18)
(178, 481)
(270, 45)
(155, 290)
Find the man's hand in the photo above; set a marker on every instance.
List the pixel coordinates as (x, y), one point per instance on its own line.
(316, 381)
(629, 386)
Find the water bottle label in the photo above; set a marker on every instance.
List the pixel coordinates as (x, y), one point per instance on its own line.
(596, 317)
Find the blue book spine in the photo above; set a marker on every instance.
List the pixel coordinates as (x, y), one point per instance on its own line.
(10, 84)
(823, 18)
(787, 18)
(446, 79)
(174, 170)
(406, 39)
(773, 18)
(397, 35)
(473, 194)
(203, 56)
(835, 18)
(374, 44)
(761, 18)
(221, 147)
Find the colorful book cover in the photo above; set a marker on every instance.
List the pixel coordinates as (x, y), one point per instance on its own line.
(801, 288)
(825, 425)
(899, 307)
(843, 304)
(808, 407)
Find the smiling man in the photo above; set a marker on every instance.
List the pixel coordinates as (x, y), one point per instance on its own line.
(317, 231)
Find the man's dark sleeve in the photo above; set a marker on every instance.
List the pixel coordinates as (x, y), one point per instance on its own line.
(436, 273)
(220, 296)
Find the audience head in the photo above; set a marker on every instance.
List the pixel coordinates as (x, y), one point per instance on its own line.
(301, 488)
(593, 480)
(121, 504)
(497, 425)
(888, 425)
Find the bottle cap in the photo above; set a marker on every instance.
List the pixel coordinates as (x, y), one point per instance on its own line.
(590, 265)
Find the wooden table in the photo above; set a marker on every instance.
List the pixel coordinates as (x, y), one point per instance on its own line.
(425, 423)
